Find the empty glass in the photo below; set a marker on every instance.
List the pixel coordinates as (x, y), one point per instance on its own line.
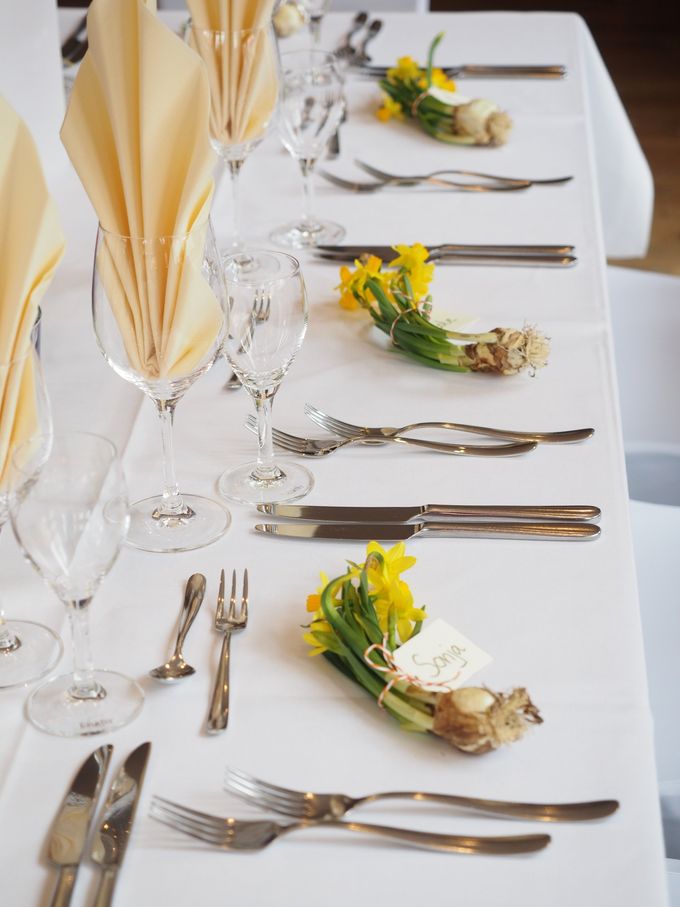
(243, 73)
(315, 10)
(310, 110)
(28, 650)
(70, 515)
(267, 324)
(159, 321)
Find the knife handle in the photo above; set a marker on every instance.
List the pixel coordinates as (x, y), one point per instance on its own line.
(64, 888)
(497, 260)
(488, 530)
(583, 512)
(471, 70)
(107, 882)
(218, 716)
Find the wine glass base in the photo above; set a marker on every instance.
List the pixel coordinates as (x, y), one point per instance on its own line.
(207, 522)
(301, 235)
(39, 651)
(52, 709)
(241, 486)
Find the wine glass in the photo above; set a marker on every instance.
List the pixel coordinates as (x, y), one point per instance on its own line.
(310, 110)
(28, 650)
(267, 324)
(243, 74)
(70, 514)
(159, 321)
(315, 10)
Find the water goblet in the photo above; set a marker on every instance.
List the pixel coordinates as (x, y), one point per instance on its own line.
(28, 650)
(243, 74)
(159, 321)
(267, 324)
(311, 108)
(315, 10)
(69, 514)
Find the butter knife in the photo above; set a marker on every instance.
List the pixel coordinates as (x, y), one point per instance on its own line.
(323, 513)
(111, 838)
(72, 823)
(398, 531)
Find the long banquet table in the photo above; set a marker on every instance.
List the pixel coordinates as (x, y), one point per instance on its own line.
(559, 618)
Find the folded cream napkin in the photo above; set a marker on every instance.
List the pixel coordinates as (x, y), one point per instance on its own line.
(136, 131)
(235, 40)
(31, 245)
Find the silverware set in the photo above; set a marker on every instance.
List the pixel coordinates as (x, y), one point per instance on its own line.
(314, 810)
(70, 830)
(546, 256)
(472, 181)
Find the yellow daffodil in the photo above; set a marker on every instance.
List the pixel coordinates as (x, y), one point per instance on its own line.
(406, 69)
(441, 80)
(411, 259)
(383, 569)
(390, 109)
(352, 283)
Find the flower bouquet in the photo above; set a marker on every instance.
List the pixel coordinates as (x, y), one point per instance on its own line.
(397, 299)
(429, 97)
(360, 618)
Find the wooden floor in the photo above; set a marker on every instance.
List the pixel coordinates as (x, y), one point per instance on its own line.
(640, 44)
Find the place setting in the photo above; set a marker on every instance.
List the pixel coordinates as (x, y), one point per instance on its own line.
(472, 697)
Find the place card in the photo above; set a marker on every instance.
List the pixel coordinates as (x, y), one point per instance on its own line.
(440, 656)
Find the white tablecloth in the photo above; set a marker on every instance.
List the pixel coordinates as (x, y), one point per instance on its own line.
(561, 619)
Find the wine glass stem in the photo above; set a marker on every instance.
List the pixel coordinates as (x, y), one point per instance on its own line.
(172, 505)
(234, 173)
(315, 29)
(9, 642)
(307, 167)
(84, 685)
(266, 469)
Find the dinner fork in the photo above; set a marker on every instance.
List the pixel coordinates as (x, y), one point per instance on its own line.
(240, 834)
(377, 435)
(383, 175)
(306, 805)
(218, 715)
(357, 186)
(319, 447)
(261, 312)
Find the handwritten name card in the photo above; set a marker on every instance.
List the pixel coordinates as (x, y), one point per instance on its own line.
(440, 656)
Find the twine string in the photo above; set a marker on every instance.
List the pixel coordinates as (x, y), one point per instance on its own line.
(392, 668)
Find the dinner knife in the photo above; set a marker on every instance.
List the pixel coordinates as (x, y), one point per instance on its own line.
(324, 513)
(483, 70)
(72, 823)
(497, 260)
(398, 531)
(441, 251)
(111, 839)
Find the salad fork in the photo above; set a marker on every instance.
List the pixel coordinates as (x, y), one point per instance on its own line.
(239, 834)
(218, 716)
(377, 435)
(408, 180)
(306, 805)
(315, 447)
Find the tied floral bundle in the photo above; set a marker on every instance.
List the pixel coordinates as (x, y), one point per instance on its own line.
(400, 305)
(430, 97)
(361, 617)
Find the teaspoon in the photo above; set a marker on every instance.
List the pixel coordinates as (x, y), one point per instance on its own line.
(175, 668)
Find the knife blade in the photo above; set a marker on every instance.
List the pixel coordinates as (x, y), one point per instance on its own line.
(325, 513)
(484, 70)
(399, 531)
(386, 252)
(111, 839)
(485, 259)
(71, 825)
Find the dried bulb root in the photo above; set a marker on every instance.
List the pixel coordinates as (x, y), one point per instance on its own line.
(477, 720)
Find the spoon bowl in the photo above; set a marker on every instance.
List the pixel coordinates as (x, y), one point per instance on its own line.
(176, 668)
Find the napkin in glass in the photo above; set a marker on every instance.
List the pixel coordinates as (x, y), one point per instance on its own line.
(136, 130)
(31, 246)
(241, 66)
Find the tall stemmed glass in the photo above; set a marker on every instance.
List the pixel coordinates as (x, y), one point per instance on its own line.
(315, 10)
(159, 321)
(311, 108)
(243, 73)
(267, 324)
(70, 515)
(28, 650)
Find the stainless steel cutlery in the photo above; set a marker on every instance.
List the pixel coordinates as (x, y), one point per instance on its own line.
(377, 434)
(464, 253)
(323, 513)
(69, 832)
(475, 174)
(345, 48)
(175, 668)
(505, 529)
(483, 71)
(238, 834)
(113, 834)
(307, 805)
(377, 185)
(75, 46)
(226, 624)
